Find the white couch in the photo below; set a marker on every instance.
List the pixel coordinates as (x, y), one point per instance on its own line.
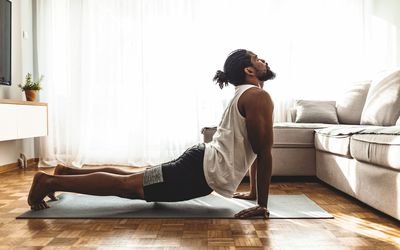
(363, 164)
(352, 144)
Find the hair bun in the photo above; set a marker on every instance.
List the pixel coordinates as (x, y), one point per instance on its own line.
(221, 78)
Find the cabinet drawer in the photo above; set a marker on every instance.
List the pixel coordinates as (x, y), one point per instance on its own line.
(32, 121)
(19, 121)
(8, 122)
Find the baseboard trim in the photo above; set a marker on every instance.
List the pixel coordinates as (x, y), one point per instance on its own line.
(294, 179)
(32, 163)
(288, 179)
(8, 167)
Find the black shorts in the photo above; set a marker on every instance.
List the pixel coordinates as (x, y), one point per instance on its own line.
(180, 179)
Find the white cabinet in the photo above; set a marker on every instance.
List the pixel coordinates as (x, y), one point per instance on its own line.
(19, 120)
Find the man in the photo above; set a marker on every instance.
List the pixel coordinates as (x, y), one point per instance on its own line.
(243, 137)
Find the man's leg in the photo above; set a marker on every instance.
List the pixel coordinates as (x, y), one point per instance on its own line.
(102, 184)
(64, 170)
(252, 195)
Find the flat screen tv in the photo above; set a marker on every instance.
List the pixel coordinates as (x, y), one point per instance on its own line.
(5, 42)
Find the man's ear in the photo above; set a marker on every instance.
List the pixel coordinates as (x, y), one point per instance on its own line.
(249, 70)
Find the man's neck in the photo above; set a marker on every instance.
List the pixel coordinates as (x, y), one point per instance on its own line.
(254, 81)
(260, 85)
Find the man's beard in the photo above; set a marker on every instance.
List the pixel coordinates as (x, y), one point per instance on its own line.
(265, 76)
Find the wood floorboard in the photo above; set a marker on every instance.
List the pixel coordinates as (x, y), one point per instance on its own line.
(356, 226)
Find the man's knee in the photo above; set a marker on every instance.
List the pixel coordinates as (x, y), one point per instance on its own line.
(133, 186)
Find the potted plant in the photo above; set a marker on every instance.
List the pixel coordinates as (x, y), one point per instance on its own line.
(31, 87)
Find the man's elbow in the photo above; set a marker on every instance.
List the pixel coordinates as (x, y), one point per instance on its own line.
(262, 146)
(264, 150)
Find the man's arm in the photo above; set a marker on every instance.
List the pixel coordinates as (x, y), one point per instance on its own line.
(258, 109)
(252, 195)
(264, 161)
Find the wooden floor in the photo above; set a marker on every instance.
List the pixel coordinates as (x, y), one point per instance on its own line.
(355, 226)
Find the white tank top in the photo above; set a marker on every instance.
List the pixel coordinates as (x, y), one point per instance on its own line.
(229, 155)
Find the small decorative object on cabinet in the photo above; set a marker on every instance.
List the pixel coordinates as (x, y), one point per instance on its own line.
(31, 87)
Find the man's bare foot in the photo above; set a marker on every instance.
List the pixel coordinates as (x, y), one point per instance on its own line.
(245, 195)
(38, 192)
(253, 211)
(59, 170)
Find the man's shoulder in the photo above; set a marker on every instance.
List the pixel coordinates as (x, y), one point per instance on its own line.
(254, 99)
(254, 94)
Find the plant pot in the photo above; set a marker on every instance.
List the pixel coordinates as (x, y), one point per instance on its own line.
(31, 95)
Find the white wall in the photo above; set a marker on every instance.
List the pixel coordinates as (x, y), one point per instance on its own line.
(21, 64)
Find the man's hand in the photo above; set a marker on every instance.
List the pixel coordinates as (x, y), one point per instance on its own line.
(245, 195)
(253, 211)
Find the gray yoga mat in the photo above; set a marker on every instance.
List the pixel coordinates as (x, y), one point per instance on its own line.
(78, 206)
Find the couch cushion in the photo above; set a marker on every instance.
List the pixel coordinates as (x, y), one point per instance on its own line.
(336, 139)
(310, 111)
(383, 100)
(378, 149)
(343, 129)
(287, 134)
(335, 144)
(380, 130)
(350, 105)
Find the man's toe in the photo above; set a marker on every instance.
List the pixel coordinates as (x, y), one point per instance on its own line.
(39, 206)
(52, 197)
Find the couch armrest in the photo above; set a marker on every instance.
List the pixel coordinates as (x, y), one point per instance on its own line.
(292, 112)
(208, 133)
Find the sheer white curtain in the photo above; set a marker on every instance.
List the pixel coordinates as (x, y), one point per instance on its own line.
(320, 46)
(129, 81)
